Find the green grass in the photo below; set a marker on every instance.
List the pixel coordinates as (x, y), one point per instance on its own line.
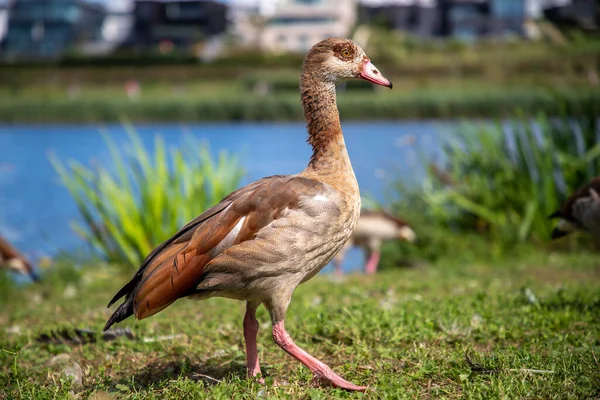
(403, 332)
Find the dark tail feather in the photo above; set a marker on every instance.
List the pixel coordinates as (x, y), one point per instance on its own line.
(128, 288)
(124, 311)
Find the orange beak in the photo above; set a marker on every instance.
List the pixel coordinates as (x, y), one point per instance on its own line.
(372, 74)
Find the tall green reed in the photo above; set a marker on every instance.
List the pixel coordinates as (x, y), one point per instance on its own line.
(501, 181)
(144, 197)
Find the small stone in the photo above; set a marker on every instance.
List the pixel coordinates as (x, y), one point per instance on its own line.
(101, 395)
(70, 292)
(476, 321)
(13, 330)
(58, 359)
(74, 372)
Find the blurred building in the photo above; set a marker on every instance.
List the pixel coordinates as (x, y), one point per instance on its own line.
(582, 14)
(46, 29)
(292, 25)
(247, 22)
(175, 23)
(465, 19)
(418, 17)
(478, 18)
(116, 28)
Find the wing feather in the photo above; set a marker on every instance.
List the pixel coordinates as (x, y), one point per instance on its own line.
(175, 267)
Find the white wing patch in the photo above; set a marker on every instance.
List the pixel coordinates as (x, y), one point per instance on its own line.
(228, 240)
(320, 197)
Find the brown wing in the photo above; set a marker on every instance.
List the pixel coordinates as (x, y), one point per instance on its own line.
(176, 267)
(584, 191)
(7, 251)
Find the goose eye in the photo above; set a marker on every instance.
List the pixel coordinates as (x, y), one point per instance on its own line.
(346, 53)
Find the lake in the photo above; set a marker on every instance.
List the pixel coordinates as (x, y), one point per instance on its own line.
(36, 211)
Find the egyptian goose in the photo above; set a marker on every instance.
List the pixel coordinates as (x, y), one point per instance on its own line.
(372, 229)
(263, 240)
(15, 261)
(581, 212)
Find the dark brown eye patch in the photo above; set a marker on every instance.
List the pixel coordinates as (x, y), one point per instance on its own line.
(343, 52)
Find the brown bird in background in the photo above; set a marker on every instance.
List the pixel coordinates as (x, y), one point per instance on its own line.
(372, 229)
(581, 212)
(11, 259)
(263, 240)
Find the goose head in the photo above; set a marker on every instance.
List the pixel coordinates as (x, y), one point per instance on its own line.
(336, 59)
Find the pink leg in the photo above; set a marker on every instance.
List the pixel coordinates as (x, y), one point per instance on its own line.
(322, 372)
(250, 333)
(371, 267)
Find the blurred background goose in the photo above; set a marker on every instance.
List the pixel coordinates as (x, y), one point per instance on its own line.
(11, 259)
(581, 212)
(372, 229)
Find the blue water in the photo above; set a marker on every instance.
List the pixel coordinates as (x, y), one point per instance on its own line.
(36, 211)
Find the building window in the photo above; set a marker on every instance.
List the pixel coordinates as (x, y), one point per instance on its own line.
(508, 8)
(173, 11)
(37, 31)
(300, 20)
(28, 11)
(145, 11)
(19, 38)
(62, 11)
(465, 20)
(303, 43)
(187, 10)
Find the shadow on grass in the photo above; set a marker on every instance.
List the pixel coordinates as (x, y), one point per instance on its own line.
(577, 302)
(161, 371)
(580, 305)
